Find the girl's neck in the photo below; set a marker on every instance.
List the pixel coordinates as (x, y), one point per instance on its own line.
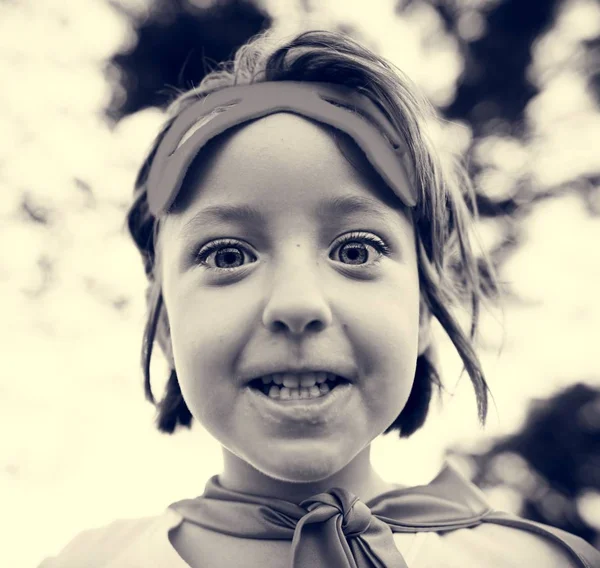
(358, 477)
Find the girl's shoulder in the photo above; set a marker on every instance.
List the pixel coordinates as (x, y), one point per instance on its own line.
(482, 536)
(123, 542)
(501, 545)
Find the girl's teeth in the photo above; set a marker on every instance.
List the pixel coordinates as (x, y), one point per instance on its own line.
(321, 377)
(294, 381)
(285, 393)
(291, 381)
(289, 386)
(308, 379)
(276, 378)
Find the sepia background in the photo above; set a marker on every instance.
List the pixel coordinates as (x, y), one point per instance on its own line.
(83, 88)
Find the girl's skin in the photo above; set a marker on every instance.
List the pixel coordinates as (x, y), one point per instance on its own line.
(295, 296)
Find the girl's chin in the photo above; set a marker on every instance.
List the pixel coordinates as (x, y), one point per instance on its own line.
(303, 463)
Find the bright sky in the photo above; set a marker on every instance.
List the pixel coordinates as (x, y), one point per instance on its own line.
(63, 344)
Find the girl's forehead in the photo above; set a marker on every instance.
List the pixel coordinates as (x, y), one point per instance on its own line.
(282, 159)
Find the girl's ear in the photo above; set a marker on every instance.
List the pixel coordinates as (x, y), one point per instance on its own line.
(163, 329)
(424, 326)
(163, 335)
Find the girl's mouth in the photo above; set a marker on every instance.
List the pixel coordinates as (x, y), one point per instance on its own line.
(299, 387)
(316, 410)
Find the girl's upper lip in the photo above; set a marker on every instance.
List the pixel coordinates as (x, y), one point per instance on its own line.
(344, 371)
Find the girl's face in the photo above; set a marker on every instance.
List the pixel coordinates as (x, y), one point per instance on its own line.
(292, 283)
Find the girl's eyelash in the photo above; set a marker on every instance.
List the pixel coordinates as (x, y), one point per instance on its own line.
(379, 245)
(207, 250)
(382, 248)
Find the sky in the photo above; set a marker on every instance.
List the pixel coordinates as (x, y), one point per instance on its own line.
(72, 399)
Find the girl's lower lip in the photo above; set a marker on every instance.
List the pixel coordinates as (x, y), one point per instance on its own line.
(312, 410)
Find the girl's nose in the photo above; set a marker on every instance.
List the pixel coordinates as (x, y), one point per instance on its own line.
(296, 303)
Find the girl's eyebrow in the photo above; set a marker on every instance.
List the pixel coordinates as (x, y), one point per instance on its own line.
(216, 214)
(350, 204)
(250, 216)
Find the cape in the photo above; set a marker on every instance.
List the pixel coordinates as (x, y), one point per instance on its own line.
(438, 510)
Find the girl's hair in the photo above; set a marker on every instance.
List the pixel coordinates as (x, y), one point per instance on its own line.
(448, 269)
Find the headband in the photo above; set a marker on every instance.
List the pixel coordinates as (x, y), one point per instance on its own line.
(334, 105)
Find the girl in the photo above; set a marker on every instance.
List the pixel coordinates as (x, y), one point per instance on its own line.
(299, 232)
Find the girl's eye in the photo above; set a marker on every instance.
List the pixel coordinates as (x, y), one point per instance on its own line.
(226, 255)
(353, 250)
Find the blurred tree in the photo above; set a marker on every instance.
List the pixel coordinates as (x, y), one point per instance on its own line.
(494, 90)
(593, 66)
(496, 39)
(175, 41)
(553, 462)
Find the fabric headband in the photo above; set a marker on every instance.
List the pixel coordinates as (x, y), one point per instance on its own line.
(334, 105)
